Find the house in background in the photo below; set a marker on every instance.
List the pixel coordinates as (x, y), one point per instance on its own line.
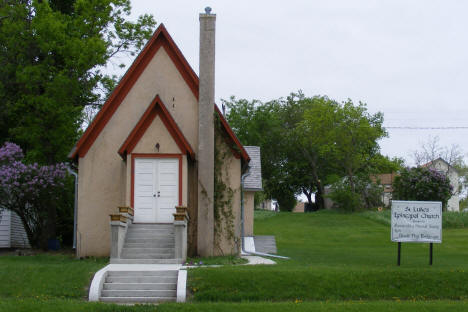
(386, 180)
(445, 168)
(300, 207)
(269, 204)
(12, 233)
(439, 164)
(150, 149)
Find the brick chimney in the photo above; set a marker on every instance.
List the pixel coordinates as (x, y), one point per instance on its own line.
(205, 159)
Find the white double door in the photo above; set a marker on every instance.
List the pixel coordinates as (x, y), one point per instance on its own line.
(156, 189)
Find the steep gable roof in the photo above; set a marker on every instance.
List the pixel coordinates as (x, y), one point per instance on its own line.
(156, 108)
(160, 38)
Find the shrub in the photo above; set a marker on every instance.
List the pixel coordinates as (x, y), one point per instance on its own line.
(32, 192)
(424, 184)
(286, 200)
(366, 195)
(344, 198)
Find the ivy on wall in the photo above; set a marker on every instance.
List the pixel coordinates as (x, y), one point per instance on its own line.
(223, 193)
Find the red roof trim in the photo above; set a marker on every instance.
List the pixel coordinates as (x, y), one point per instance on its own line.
(232, 136)
(160, 38)
(156, 108)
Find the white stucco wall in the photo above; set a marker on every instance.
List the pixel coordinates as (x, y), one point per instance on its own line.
(103, 174)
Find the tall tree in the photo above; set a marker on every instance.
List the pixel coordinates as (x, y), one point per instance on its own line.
(51, 58)
(340, 140)
(260, 124)
(310, 142)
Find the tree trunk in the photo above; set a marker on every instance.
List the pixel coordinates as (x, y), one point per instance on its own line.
(319, 199)
(308, 195)
(351, 181)
(51, 226)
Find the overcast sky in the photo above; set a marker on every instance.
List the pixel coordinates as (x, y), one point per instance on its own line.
(407, 59)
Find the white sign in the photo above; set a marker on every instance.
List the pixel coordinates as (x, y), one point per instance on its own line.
(416, 221)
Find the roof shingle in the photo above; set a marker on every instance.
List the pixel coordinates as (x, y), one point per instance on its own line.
(253, 182)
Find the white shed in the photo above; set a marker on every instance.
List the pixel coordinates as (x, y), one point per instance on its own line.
(12, 233)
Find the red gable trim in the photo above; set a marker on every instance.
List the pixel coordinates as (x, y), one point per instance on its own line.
(232, 136)
(160, 38)
(156, 108)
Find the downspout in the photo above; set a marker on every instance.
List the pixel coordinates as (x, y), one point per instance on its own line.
(242, 224)
(70, 171)
(245, 175)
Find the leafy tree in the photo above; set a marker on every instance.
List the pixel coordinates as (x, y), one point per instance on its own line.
(307, 161)
(340, 140)
(421, 183)
(259, 124)
(286, 199)
(52, 55)
(310, 142)
(32, 192)
(51, 59)
(366, 194)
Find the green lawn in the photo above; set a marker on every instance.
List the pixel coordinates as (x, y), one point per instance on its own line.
(46, 276)
(61, 305)
(340, 257)
(338, 262)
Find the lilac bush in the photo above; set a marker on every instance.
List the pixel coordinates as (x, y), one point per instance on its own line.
(425, 184)
(10, 152)
(30, 190)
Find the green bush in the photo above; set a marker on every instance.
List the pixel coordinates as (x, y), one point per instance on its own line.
(344, 198)
(366, 195)
(424, 184)
(286, 200)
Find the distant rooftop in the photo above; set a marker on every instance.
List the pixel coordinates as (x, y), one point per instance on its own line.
(253, 182)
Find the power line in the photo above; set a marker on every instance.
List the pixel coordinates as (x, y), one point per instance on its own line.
(428, 128)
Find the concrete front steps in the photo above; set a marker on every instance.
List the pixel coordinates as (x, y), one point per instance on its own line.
(140, 286)
(148, 244)
(147, 270)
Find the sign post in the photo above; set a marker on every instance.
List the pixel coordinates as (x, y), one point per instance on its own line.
(416, 222)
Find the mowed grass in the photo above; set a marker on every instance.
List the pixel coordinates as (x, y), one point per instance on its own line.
(46, 276)
(63, 305)
(339, 262)
(67, 305)
(338, 256)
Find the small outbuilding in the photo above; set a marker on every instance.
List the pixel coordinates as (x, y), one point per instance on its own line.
(12, 233)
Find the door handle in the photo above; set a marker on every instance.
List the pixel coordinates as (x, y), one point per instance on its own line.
(159, 194)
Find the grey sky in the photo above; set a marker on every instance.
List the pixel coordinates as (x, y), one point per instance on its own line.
(407, 59)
